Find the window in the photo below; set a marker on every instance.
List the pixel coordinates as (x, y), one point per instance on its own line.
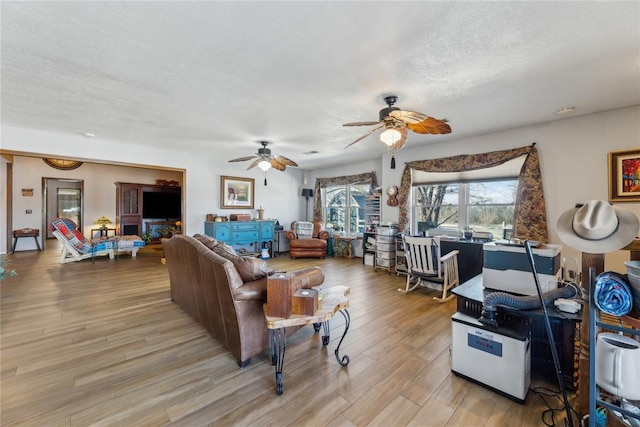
(481, 206)
(344, 207)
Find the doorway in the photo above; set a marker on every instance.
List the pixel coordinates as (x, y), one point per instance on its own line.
(62, 198)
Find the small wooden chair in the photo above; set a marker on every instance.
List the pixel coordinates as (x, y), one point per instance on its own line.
(425, 266)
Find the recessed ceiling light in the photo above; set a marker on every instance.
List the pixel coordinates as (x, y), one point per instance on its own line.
(566, 110)
(89, 135)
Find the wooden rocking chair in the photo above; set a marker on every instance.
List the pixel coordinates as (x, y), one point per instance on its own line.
(425, 266)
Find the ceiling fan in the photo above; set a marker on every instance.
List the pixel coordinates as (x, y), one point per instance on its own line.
(396, 122)
(265, 160)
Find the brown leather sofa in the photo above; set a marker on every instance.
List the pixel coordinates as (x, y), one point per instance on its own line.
(210, 288)
(314, 247)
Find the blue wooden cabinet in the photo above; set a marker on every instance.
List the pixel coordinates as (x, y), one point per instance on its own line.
(241, 234)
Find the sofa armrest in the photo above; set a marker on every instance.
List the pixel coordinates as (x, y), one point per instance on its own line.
(257, 289)
(324, 235)
(308, 277)
(291, 235)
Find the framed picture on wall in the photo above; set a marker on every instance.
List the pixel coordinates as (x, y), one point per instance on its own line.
(236, 192)
(624, 176)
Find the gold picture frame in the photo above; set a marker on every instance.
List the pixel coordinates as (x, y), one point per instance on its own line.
(236, 192)
(624, 176)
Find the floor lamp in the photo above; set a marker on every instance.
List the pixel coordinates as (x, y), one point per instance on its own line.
(307, 192)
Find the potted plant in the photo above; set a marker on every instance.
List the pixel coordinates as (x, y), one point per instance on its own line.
(5, 272)
(146, 237)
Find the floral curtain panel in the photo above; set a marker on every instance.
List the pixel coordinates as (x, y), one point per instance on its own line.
(363, 178)
(529, 217)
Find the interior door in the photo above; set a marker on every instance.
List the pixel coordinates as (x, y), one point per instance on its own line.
(63, 198)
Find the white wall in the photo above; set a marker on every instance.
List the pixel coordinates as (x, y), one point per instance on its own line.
(573, 160)
(3, 206)
(201, 179)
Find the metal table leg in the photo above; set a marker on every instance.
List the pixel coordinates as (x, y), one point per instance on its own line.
(278, 342)
(326, 333)
(344, 361)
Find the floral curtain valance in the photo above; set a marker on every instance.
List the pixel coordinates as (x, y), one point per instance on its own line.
(529, 217)
(363, 178)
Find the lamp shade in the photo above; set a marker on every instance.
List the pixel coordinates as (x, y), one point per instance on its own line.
(307, 192)
(103, 220)
(264, 165)
(390, 136)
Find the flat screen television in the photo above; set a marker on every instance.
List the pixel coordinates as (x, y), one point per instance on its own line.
(158, 205)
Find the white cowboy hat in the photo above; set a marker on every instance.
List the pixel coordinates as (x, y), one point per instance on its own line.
(597, 227)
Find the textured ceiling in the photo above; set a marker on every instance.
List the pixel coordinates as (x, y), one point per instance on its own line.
(214, 77)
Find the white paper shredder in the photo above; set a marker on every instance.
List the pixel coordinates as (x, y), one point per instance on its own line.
(499, 359)
(506, 268)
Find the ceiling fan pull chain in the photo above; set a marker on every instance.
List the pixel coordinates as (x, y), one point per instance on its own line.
(265, 178)
(393, 162)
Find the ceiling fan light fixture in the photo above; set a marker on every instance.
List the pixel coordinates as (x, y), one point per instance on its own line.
(390, 136)
(264, 165)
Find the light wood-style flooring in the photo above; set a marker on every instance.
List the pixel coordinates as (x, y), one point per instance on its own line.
(102, 344)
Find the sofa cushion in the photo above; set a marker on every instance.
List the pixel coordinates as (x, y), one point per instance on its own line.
(204, 239)
(215, 245)
(303, 229)
(131, 241)
(250, 269)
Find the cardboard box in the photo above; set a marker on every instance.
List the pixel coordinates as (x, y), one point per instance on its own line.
(368, 259)
(304, 302)
(506, 268)
(240, 217)
(280, 290)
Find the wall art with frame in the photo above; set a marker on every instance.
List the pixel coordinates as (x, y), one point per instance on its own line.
(624, 176)
(236, 192)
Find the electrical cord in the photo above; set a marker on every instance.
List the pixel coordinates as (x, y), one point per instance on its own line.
(549, 414)
(554, 351)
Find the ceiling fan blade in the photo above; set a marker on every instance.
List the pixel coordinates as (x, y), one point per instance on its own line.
(408, 116)
(365, 135)
(254, 163)
(242, 159)
(361, 123)
(431, 126)
(277, 165)
(285, 161)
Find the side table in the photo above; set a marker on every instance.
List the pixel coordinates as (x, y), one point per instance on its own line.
(278, 236)
(343, 245)
(334, 299)
(25, 232)
(104, 232)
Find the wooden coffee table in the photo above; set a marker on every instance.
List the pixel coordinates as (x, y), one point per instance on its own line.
(334, 300)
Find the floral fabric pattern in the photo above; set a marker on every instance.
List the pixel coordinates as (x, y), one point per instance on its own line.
(363, 178)
(529, 218)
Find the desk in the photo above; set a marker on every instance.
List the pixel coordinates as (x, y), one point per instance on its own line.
(343, 245)
(470, 257)
(334, 299)
(25, 232)
(470, 296)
